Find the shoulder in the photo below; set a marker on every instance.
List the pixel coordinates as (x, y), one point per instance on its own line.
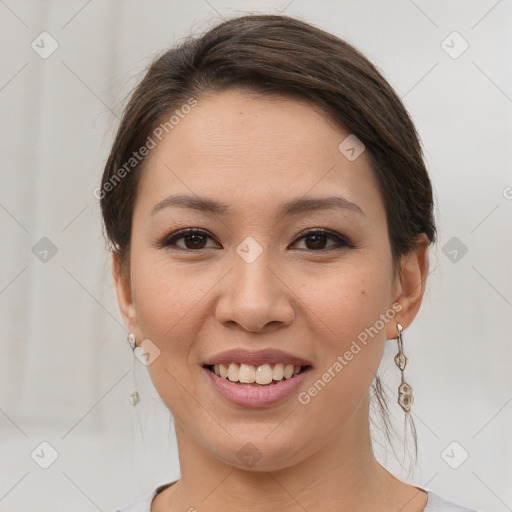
(436, 503)
(143, 504)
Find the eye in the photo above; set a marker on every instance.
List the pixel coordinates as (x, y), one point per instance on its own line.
(316, 240)
(193, 239)
(196, 239)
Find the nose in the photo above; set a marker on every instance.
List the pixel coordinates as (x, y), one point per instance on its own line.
(255, 296)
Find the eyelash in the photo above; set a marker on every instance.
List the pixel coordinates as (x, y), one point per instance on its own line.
(170, 240)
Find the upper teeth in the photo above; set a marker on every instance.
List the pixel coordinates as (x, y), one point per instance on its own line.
(263, 374)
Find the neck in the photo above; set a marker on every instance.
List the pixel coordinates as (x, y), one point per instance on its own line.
(342, 475)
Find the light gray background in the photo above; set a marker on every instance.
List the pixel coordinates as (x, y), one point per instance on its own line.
(66, 372)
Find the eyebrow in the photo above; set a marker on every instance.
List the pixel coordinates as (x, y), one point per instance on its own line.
(293, 207)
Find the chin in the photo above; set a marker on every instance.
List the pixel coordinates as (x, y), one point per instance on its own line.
(259, 454)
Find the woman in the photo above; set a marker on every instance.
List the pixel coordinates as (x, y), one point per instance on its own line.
(270, 215)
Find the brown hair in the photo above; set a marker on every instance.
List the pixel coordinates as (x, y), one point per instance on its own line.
(282, 56)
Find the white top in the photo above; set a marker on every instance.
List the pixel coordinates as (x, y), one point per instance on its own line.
(434, 503)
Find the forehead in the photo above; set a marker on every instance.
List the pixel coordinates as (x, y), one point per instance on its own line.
(246, 146)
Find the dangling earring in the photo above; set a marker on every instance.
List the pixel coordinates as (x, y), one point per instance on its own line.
(131, 340)
(405, 398)
(134, 398)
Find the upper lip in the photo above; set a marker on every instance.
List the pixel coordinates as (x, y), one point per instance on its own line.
(255, 357)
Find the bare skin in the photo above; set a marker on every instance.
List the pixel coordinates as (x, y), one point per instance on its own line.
(307, 296)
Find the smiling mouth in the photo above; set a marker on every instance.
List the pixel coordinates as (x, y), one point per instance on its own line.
(262, 375)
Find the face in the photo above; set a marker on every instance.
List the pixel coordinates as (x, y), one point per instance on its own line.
(288, 262)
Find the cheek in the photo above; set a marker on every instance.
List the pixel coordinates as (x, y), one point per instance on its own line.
(351, 306)
(350, 347)
(165, 291)
(168, 301)
(348, 301)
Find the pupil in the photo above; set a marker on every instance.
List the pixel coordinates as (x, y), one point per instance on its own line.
(194, 240)
(318, 241)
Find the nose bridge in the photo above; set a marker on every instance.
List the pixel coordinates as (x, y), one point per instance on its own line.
(253, 276)
(254, 295)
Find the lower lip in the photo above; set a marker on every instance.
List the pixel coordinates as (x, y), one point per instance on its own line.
(256, 396)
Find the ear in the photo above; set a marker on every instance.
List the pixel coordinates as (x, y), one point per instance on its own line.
(410, 285)
(124, 294)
